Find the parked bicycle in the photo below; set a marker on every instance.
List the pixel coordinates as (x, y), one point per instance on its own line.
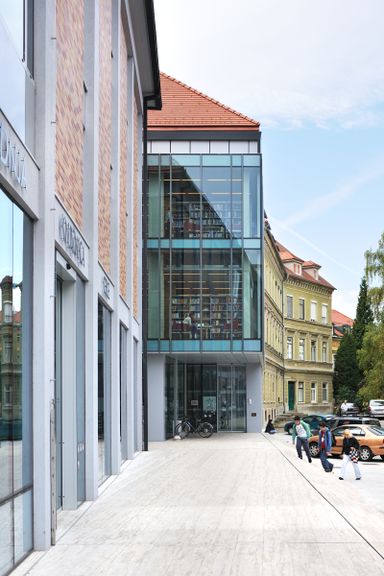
(185, 427)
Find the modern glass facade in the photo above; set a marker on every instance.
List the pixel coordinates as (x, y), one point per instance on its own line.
(204, 253)
(15, 384)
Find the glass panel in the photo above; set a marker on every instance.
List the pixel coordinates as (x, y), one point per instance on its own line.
(6, 335)
(251, 202)
(186, 199)
(80, 388)
(170, 396)
(104, 390)
(209, 380)
(153, 202)
(252, 294)
(23, 525)
(237, 295)
(58, 394)
(185, 160)
(216, 203)
(239, 399)
(194, 392)
(6, 551)
(154, 294)
(224, 397)
(217, 160)
(216, 291)
(185, 281)
(12, 15)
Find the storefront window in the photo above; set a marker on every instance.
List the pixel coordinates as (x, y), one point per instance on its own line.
(104, 391)
(15, 382)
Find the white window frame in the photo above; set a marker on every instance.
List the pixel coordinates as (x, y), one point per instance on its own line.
(300, 392)
(301, 309)
(313, 393)
(324, 392)
(313, 311)
(324, 351)
(302, 349)
(313, 351)
(290, 300)
(324, 313)
(289, 347)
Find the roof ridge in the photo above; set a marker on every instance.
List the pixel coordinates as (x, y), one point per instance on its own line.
(211, 99)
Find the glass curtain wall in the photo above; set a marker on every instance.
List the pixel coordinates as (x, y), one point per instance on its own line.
(216, 393)
(204, 252)
(15, 384)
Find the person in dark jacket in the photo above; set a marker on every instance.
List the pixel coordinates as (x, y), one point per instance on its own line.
(325, 446)
(270, 429)
(350, 453)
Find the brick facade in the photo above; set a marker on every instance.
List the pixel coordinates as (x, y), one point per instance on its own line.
(123, 160)
(70, 106)
(136, 217)
(105, 129)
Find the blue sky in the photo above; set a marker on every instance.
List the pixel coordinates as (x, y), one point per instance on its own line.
(313, 74)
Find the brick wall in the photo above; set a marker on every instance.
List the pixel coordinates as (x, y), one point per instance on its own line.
(69, 106)
(105, 127)
(136, 216)
(123, 160)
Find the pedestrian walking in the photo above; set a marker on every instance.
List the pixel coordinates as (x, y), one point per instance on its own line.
(350, 453)
(301, 433)
(270, 429)
(325, 446)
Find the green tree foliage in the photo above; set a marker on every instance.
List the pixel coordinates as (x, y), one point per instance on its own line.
(375, 272)
(347, 375)
(371, 360)
(364, 314)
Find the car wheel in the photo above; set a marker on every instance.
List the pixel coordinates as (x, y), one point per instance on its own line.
(314, 449)
(365, 454)
(289, 430)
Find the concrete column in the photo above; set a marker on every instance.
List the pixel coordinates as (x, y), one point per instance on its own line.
(44, 268)
(156, 398)
(91, 180)
(254, 375)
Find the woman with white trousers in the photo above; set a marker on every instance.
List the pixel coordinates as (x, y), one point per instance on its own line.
(350, 453)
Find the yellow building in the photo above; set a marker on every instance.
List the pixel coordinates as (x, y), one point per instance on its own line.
(274, 275)
(307, 306)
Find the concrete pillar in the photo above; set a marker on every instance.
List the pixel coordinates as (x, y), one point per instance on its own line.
(156, 398)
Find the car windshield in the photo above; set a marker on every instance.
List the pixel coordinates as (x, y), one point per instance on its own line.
(376, 430)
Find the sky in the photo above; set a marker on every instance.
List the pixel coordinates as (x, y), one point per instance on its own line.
(312, 73)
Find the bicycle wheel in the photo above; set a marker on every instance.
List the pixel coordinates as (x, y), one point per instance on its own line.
(205, 429)
(182, 430)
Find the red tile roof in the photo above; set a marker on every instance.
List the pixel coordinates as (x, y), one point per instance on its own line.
(341, 319)
(288, 256)
(185, 108)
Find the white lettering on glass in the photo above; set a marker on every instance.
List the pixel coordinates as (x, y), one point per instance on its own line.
(11, 158)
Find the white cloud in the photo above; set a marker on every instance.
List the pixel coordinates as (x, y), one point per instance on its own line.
(321, 204)
(277, 61)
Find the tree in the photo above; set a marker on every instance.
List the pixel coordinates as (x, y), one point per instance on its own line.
(371, 360)
(347, 376)
(364, 314)
(374, 270)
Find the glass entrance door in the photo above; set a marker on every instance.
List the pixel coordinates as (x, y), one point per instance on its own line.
(231, 392)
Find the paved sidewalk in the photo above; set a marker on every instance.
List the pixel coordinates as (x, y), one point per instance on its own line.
(236, 504)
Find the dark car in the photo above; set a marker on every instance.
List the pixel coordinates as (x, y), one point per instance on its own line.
(313, 420)
(344, 420)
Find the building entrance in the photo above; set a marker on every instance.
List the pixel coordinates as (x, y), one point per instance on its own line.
(214, 392)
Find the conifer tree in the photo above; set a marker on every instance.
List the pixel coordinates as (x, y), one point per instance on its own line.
(364, 314)
(375, 271)
(347, 376)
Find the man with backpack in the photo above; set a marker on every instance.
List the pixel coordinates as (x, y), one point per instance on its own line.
(301, 433)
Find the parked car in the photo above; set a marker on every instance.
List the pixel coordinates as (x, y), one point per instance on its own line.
(312, 419)
(376, 408)
(341, 420)
(349, 408)
(370, 438)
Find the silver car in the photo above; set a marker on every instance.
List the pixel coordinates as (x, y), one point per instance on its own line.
(376, 408)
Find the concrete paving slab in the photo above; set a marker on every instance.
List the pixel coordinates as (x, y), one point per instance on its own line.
(236, 505)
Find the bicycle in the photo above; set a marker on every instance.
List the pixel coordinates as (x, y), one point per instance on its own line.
(185, 427)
